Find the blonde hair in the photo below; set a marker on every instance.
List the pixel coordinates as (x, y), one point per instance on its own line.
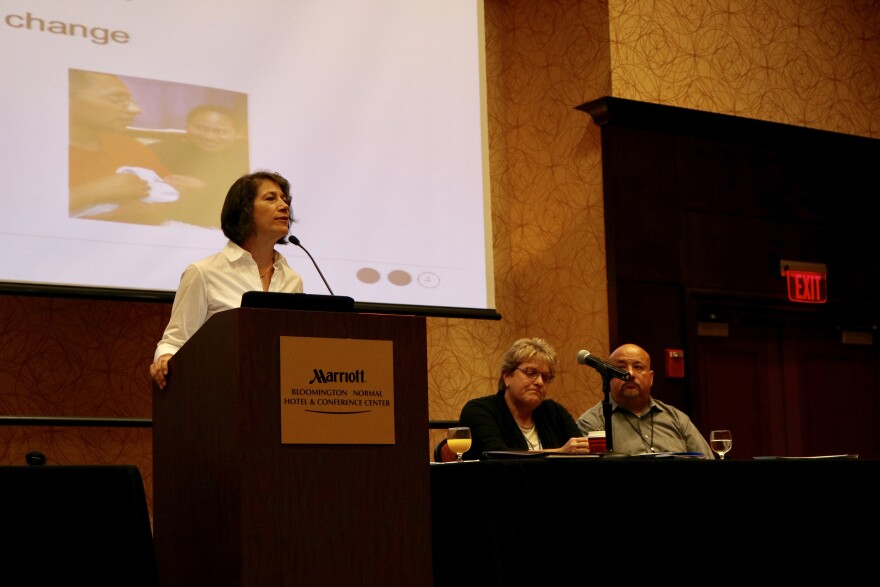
(523, 350)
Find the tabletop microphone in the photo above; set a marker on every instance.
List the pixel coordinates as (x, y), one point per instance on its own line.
(585, 358)
(295, 241)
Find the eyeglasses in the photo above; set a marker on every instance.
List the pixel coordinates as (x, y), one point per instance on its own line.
(532, 374)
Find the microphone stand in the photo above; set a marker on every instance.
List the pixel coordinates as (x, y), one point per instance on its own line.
(606, 410)
(295, 241)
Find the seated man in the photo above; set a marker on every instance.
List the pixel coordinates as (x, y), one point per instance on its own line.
(640, 423)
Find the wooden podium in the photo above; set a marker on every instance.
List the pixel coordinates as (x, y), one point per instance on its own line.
(233, 505)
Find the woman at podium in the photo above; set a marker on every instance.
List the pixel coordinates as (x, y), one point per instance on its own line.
(256, 216)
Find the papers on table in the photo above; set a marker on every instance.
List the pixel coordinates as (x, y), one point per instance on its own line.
(846, 456)
(540, 454)
(670, 455)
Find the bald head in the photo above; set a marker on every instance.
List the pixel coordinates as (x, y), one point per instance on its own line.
(635, 393)
(631, 351)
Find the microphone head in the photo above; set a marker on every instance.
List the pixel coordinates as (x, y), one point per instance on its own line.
(582, 356)
(293, 240)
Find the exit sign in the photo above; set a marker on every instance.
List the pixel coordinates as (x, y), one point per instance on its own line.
(807, 282)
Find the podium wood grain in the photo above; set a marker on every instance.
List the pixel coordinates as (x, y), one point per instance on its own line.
(235, 506)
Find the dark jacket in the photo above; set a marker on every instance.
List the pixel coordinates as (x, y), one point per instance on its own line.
(494, 428)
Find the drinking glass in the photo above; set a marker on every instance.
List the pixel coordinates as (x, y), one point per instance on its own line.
(721, 441)
(459, 441)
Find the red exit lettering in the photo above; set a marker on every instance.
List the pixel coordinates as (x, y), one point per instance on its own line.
(807, 287)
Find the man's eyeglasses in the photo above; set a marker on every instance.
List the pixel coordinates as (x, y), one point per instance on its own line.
(532, 374)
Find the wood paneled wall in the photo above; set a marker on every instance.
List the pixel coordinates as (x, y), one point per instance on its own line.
(701, 210)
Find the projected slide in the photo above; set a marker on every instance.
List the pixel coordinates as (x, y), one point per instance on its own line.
(125, 122)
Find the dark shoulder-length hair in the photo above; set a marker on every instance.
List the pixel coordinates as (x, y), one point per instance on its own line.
(527, 349)
(237, 216)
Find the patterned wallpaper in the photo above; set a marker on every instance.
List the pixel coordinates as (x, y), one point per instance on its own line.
(74, 358)
(806, 62)
(813, 63)
(542, 60)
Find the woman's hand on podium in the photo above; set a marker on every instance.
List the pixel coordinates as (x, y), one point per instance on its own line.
(159, 370)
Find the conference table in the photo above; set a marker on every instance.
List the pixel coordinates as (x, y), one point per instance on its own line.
(584, 521)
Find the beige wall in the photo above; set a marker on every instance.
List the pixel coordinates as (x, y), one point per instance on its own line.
(813, 63)
(543, 59)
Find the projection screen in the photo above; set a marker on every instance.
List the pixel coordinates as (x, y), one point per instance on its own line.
(373, 109)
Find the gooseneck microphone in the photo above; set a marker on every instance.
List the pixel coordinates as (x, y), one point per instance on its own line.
(295, 241)
(585, 358)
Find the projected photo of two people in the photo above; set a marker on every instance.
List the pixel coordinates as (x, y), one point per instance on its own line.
(152, 152)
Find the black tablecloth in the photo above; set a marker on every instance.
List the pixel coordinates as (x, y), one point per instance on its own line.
(76, 525)
(542, 521)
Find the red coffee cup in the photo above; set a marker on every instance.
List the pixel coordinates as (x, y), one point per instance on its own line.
(596, 438)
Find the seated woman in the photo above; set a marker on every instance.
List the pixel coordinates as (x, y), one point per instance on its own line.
(518, 417)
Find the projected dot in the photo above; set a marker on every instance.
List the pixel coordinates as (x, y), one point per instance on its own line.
(368, 275)
(429, 280)
(399, 277)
